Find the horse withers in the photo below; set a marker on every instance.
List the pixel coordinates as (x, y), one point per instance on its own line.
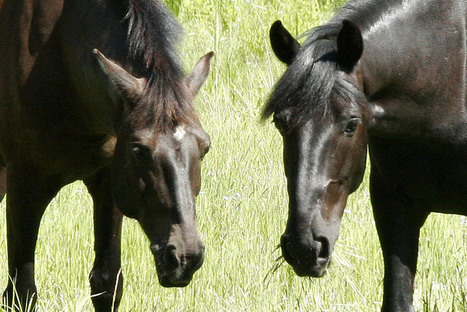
(94, 91)
(390, 76)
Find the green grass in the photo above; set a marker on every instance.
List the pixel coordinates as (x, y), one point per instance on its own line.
(242, 209)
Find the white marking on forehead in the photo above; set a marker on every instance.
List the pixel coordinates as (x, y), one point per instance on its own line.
(179, 133)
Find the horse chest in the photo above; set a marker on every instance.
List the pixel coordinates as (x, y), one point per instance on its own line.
(435, 178)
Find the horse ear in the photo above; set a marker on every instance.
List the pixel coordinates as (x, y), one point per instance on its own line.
(198, 75)
(127, 84)
(349, 45)
(283, 43)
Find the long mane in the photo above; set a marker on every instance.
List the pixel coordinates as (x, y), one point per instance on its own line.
(153, 36)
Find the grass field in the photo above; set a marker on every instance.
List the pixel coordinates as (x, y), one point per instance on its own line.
(242, 209)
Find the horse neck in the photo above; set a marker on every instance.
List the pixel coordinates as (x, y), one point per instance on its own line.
(413, 72)
(100, 25)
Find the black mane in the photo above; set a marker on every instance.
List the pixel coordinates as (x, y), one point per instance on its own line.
(309, 82)
(153, 36)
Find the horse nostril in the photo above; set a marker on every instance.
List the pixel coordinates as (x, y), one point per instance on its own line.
(171, 257)
(287, 249)
(323, 248)
(198, 260)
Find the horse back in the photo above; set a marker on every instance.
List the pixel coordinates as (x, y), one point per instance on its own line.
(41, 121)
(25, 28)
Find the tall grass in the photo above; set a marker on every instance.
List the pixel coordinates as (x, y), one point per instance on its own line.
(242, 209)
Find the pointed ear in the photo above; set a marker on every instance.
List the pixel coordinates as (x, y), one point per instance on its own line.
(198, 75)
(127, 84)
(283, 43)
(349, 45)
(202, 138)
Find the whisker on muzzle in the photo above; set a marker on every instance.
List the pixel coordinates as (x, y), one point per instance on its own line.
(278, 262)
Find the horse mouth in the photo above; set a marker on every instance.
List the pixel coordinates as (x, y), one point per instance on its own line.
(316, 271)
(176, 277)
(179, 275)
(172, 280)
(311, 261)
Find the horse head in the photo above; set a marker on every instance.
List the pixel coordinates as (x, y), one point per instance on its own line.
(156, 168)
(321, 114)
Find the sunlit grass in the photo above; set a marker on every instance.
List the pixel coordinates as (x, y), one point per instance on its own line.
(242, 209)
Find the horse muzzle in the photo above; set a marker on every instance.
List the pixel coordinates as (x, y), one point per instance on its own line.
(176, 265)
(308, 256)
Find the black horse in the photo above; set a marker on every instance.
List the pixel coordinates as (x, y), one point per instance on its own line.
(93, 90)
(390, 75)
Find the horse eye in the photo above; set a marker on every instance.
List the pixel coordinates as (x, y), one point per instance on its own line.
(141, 151)
(282, 120)
(352, 126)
